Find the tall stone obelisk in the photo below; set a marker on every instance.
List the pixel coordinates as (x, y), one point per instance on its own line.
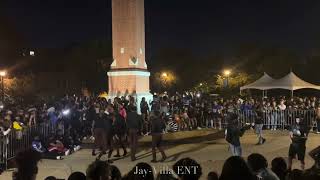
(129, 74)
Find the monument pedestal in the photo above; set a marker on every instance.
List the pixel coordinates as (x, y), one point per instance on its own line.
(134, 82)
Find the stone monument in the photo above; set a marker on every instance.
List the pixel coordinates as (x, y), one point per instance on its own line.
(129, 74)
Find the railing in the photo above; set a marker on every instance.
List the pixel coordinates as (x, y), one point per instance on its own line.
(17, 141)
(277, 119)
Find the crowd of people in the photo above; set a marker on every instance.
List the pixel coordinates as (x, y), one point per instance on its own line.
(254, 167)
(113, 124)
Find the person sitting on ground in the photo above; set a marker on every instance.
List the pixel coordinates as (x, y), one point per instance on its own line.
(259, 166)
(235, 168)
(181, 166)
(37, 146)
(68, 141)
(98, 170)
(213, 176)
(279, 167)
(27, 165)
(55, 145)
(77, 176)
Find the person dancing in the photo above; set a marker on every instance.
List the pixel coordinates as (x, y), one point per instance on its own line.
(298, 136)
(98, 125)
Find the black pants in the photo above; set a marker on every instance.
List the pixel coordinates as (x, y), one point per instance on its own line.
(119, 143)
(318, 124)
(50, 155)
(156, 143)
(133, 140)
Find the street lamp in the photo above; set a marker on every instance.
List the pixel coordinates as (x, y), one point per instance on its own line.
(164, 74)
(2, 75)
(227, 73)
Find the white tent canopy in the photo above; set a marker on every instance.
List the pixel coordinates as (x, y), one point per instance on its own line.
(261, 84)
(290, 82)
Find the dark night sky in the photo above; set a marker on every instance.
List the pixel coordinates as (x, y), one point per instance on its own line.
(201, 25)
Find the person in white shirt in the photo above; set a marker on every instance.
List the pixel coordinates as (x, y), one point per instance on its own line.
(282, 108)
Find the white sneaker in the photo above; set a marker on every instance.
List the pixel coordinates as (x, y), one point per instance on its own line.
(85, 138)
(318, 132)
(59, 158)
(67, 152)
(78, 148)
(199, 128)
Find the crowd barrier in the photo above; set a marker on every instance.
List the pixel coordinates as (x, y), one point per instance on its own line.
(17, 141)
(278, 119)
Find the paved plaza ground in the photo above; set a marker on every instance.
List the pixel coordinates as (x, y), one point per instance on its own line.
(206, 146)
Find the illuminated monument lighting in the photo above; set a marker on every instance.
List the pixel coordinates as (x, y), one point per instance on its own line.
(129, 74)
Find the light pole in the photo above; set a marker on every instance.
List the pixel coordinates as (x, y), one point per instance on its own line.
(227, 73)
(2, 74)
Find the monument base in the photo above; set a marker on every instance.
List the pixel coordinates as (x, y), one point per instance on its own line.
(138, 97)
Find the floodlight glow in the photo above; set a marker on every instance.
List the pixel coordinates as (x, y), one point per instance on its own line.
(164, 74)
(3, 73)
(226, 72)
(66, 112)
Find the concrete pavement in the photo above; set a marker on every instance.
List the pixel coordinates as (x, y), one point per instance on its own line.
(205, 146)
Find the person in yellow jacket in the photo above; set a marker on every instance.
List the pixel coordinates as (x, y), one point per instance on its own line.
(17, 126)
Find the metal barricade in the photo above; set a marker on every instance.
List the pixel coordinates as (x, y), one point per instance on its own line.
(17, 141)
(279, 119)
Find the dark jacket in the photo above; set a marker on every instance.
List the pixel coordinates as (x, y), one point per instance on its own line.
(99, 121)
(258, 117)
(108, 123)
(134, 121)
(119, 125)
(157, 125)
(233, 134)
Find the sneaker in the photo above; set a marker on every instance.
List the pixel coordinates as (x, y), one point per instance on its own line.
(84, 138)
(199, 128)
(67, 152)
(78, 147)
(125, 153)
(263, 140)
(59, 158)
(318, 132)
(93, 153)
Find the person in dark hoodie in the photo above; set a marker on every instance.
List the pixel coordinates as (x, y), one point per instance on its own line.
(119, 130)
(134, 124)
(233, 134)
(157, 127)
